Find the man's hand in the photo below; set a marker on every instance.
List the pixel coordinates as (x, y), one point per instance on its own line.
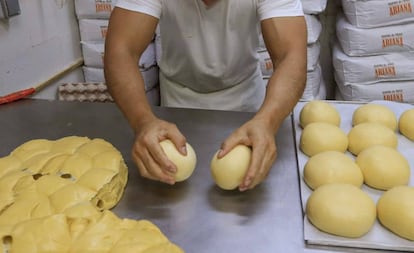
(147, 153)
(260, 137)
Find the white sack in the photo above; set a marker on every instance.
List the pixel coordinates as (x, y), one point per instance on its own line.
(94, 8)
(377, 13)
(369, 41)
(93, 29)
(396, 66)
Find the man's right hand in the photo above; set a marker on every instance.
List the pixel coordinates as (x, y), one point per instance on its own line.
(147, 153)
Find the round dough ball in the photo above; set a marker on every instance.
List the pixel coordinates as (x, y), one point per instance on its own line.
(319, 111)
(395, 211)
(383, 167)
(406, 124)
(331, 167)
(369, 134)
(229, 171)
(341, 209)
(320, 136)
(185, 164)
(375, 113)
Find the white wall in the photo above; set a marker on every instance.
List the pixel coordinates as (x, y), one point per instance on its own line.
(38, 43)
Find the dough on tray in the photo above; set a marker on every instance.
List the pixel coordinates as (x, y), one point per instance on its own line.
(47, 187)
(331, 167)
(383, 167)
(375, 113)
(318, 137)
(369, 134)
(406, 125)
(395, 211)
(341, 209)
(319, 111)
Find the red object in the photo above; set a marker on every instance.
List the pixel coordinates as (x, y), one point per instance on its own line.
(16, 95)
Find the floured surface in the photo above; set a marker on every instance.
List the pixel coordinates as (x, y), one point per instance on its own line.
(379, 237)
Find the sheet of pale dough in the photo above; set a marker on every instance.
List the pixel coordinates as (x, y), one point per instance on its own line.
(378, 237)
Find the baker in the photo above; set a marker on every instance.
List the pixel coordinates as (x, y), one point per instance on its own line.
(209, 60)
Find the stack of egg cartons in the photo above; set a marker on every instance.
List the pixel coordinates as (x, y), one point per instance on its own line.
(374, 53)
(93, 16)
(315, 85)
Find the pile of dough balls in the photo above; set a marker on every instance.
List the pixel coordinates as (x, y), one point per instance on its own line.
(337, 204)
(185, 164)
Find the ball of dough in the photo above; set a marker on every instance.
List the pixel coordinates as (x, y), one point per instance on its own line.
(375, 113)
(395, 211)
(320, 136)
(319, 111)
(185, 164)
(383, 167)
(229, 171)
(369, 134)
(331, 167)
(406, 124)
(341, 209)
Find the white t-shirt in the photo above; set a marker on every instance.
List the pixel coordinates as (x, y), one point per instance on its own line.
(209, 54)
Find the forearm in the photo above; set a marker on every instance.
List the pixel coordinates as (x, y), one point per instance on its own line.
(284, 89)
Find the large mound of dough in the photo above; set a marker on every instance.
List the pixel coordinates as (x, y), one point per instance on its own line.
(375, 113)
(395, 211)
(82, 228)
(341, 209)
(406, 125)
(319, 111)
(369, 134)
(383, 167)
(43, 179)
(320, 136)
(331, 167)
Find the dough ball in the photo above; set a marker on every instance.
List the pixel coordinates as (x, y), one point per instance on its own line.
(185, 164)
(383, 167)
(320, 136)
(395, 211)
(331, 167)
(341, 209)
(319, 111)
(406, 124)
(229, 171)
(375, 113)
(369, 134)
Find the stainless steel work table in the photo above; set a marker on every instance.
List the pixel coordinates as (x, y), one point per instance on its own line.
(195, 214)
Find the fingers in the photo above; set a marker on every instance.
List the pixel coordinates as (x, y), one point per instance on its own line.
(148, 168)
(179, 140)
(258, 173)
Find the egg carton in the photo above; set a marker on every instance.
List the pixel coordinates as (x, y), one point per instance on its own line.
(90, 92)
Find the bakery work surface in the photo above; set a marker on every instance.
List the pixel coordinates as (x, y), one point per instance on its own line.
(194, 214)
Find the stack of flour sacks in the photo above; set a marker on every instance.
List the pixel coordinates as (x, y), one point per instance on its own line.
(93, 17)
(315, 85)
(374, 54)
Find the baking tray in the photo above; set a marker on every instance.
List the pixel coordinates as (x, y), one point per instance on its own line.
(378, 237)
